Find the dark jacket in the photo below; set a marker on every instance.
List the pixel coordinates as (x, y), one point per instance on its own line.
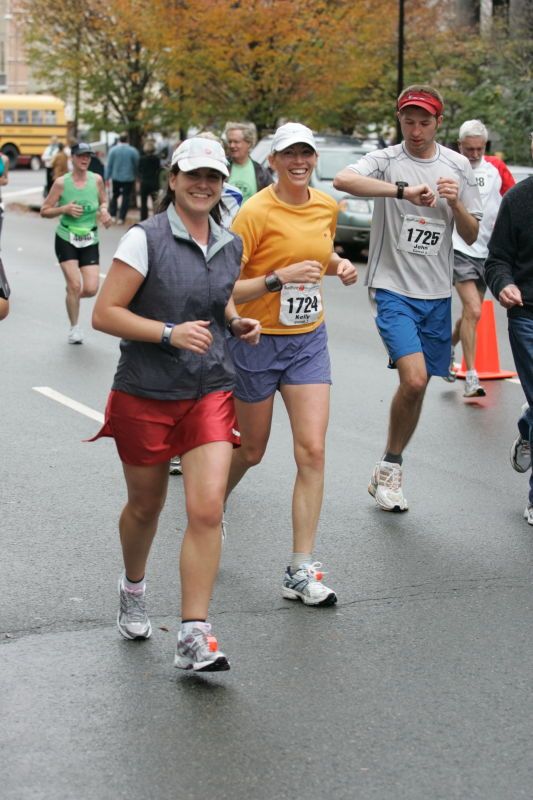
(510, 258)
(149, 172)
(262, 176)
(181, 285)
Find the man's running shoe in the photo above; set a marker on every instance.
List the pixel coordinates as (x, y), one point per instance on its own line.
(452, 374)
(198, 650)
(528, 513)
(75, 335)
(386, 486)
(520, 454)
(305, 584)
(473, 388)
(132, 619)
(175, 467)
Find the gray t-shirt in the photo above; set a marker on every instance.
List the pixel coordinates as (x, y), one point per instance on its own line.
(411, 250)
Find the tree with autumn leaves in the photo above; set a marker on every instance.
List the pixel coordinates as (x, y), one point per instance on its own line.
(171, 64)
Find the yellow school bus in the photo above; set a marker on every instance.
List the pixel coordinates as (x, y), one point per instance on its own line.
(27, 123)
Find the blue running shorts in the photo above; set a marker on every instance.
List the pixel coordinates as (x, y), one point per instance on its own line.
(407, 325)
(294, 359)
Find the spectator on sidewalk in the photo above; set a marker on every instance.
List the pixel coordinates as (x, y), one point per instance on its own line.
(121, 170)
(47, 156)
(59, 162)
(149, 177)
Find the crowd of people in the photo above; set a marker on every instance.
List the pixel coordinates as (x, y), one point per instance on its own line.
(216, 299)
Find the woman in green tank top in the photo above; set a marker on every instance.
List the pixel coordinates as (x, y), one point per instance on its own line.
(77, 198)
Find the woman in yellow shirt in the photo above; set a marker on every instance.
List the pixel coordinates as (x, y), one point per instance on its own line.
(288, 233)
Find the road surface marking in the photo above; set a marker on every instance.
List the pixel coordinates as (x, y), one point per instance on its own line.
(67, 401)
(20, 192)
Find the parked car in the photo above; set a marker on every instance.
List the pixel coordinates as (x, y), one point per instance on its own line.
(355, 213)
(520, 173)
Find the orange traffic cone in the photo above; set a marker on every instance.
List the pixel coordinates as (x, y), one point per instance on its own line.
(487, 363)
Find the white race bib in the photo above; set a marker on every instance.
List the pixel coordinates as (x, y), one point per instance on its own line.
(301, 303)
(421, 235)
(82, 239)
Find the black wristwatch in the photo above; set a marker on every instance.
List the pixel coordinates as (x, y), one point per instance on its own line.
(400, 186)
(273, 283)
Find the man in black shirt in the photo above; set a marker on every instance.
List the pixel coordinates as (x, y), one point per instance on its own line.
(509, 275)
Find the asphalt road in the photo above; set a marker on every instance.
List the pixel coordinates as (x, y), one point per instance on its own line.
(416, 686)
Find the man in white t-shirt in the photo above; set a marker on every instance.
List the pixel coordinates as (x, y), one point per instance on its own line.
(410, 262)
(469, 259)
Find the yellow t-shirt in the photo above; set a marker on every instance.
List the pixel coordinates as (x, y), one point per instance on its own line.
(276, 234)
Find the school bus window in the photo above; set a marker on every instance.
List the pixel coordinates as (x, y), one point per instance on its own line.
(9, 117)
(50, 117)
(36, 117)
(23, 117)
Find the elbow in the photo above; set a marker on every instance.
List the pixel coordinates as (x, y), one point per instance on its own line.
(339, 183)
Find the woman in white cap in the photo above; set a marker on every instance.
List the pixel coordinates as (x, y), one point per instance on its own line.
(168, 296)
(288, 232)
(78, 198)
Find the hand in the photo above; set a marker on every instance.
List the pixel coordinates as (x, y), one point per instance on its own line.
(73, 210)
(347, 272)
(302, 272)
(193, 336)
(448, 189)
(105, 218)
(510, 296)
(247, 330)
(420, 195)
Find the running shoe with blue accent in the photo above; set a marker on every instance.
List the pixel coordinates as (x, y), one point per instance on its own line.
(305, 584)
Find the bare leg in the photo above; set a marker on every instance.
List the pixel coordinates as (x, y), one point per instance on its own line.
(80, 283)
(147, 489)
(205, 475)
(255, 420)
(308, 409)
(471, 299)
(407, 402)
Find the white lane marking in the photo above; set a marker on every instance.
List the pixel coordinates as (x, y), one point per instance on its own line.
(20, 192)
(67, 401)
(513, 380)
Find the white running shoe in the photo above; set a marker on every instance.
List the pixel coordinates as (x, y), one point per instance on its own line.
(198, 650)
(132, 619)
(528, 513)
(386, 486)
(75, 335)
(452, 374)
(305, 584)
(473, 388)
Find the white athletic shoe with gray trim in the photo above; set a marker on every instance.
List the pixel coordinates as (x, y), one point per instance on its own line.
(305, 584)
(473, 388)
(386, 486)
(197, 650)
(75, 335)
(528, 513)
(132, 619)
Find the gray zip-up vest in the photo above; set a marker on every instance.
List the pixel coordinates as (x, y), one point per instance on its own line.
(181, 285)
